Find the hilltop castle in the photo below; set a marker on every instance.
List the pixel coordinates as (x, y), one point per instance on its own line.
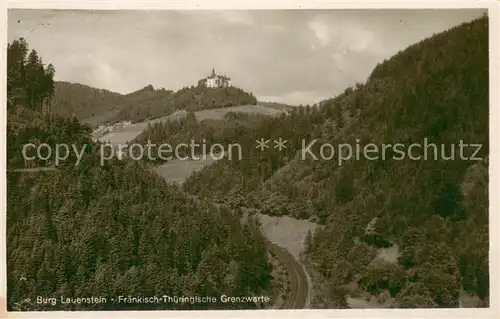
(215, 81)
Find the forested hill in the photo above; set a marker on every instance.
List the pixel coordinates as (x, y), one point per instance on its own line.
(82, 101)
(113, 229)
(431, 215)
(97, 106)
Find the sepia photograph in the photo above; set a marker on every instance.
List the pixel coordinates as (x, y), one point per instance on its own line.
(247, 159)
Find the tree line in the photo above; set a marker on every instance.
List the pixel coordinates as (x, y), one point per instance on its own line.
(97, 106)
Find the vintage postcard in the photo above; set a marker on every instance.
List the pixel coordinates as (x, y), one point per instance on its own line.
(194, 158)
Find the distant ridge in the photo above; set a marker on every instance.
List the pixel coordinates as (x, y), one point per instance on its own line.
(97, 106)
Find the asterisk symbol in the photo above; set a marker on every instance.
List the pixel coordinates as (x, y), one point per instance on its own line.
(262, 144)
(280, 144)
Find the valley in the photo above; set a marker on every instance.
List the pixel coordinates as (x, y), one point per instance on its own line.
(285, 236)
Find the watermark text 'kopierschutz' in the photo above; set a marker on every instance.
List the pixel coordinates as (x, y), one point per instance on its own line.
(398, 151)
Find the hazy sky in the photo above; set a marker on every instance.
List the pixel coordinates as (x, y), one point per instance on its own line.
(287, 56)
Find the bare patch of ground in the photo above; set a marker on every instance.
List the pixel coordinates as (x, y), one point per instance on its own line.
(390, 254)
(120, 137)
(287, 232)
(178, 171)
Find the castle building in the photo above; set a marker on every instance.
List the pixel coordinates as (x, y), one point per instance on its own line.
(215, 80)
